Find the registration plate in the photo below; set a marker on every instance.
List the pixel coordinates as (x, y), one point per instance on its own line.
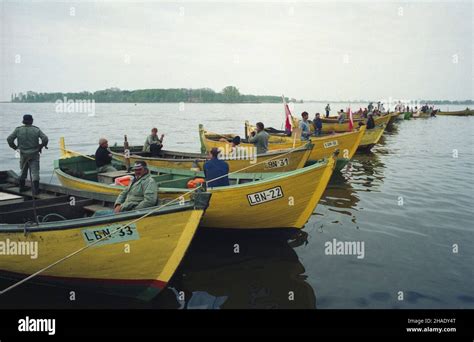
(273, 164)
(265, 196)
(330, 144)
(126, 233)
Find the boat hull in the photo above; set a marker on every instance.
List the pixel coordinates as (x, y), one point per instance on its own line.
(458, 113)
(371, 138)
(323, 146)
(279, 200)
(137, 262)
(344, 127)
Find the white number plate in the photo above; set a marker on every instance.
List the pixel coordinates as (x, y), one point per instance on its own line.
(127, 233)
(265, 196)
(331, 144)
(273, 164)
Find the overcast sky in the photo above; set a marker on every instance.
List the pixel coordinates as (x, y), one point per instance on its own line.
(307, 50)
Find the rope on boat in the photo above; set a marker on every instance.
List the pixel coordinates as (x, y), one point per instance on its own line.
(31, 276)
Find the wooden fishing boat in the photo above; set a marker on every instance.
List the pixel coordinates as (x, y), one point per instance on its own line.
(369, 139)
(136, 259)
(251, 201)
(466, 112)
(399, 116)
(393, 118)
(333, 126)
(246, 159)
(421, 115)
(323, 146)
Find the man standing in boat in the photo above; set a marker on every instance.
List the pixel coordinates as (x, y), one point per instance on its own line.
(27, 137)
(103, 157)
(328, 109)
(260, 139)
(141, 193)
(304, 126)
(153, 144)
(318, 125)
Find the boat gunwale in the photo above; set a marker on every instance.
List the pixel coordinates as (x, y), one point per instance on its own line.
(263, 177)
(195, 204)
(202, 157)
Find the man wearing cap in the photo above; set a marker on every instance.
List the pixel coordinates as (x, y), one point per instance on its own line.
(216, 170)
(27, 137)
(103, 157)
(141, 193)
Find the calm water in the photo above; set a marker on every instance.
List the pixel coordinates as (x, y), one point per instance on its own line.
(409, 201)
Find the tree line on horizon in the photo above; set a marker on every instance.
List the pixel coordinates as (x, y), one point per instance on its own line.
(229, 94)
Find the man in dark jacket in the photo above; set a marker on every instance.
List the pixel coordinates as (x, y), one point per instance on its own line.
(370, 122)
(216, 168)
(318, 124)
(103, 157)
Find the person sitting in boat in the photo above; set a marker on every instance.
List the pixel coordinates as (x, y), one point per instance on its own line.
(216, 170)
(142, 192)
(234, 144)
(153, 144)
(103, 157)
(318, 124)
(370, 122)
(304, 126)
(342, 116)
(260, 138)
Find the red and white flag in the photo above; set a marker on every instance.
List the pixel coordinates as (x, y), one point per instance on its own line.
(288, 116)
(351, 120)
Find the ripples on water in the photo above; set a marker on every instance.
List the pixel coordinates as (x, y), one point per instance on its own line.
(408, 247)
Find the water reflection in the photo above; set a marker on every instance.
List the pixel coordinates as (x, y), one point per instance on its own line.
(365, 171)
(265, 273)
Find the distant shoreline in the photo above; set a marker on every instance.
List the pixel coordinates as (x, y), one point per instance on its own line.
(436, 102)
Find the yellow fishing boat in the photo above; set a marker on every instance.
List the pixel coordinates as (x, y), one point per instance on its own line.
(334, 126)
(466, 112)
(323, 146)
(242, 159)
(371, 137)
(251, 201)
(132, 254)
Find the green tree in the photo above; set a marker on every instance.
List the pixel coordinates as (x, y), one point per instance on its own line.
(231, 94)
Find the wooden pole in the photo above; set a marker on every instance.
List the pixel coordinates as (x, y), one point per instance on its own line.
(126, 151)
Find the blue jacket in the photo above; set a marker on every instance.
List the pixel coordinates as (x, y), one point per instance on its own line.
(216, 168)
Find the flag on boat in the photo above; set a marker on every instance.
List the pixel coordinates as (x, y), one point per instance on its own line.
(351, 121)
(288, 117)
